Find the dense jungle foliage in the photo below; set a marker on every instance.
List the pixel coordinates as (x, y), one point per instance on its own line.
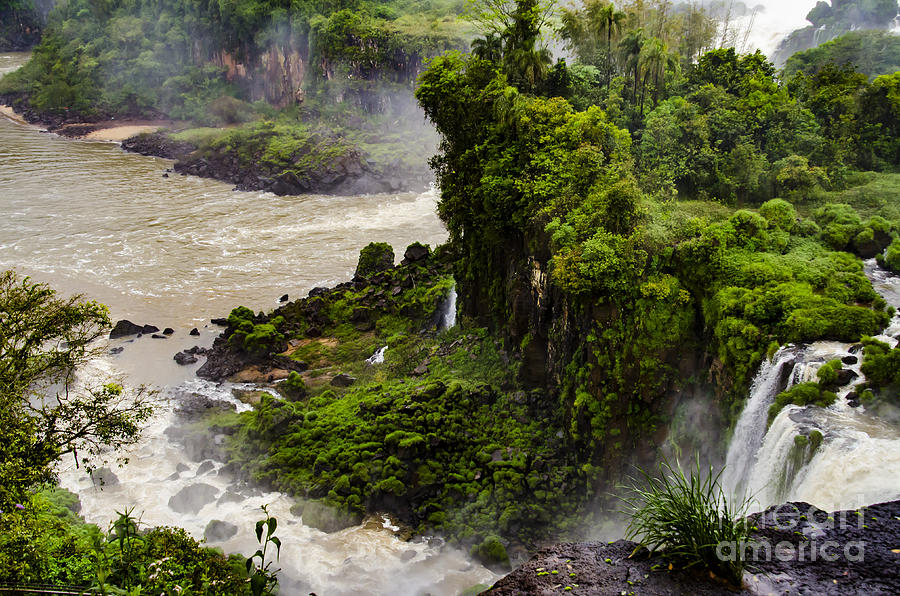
(133, 57)
(648, 221)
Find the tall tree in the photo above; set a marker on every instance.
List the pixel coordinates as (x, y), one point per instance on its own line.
(44, 413)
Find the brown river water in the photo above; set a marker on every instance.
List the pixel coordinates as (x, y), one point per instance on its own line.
(86, 217)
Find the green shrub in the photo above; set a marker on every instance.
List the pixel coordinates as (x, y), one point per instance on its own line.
(293, 386)
(803, 394)
(779, 213)
(491, 552)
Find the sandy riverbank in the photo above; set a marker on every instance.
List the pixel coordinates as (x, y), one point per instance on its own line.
(120, 132)
(98, 131)
(11, 114)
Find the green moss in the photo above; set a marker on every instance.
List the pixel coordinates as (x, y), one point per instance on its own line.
(374, 258)
(803, 394)
(491, 552)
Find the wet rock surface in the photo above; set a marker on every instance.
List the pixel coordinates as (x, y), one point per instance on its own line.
(191, 499)
(856, 553)
(219, 531)
(159, 145)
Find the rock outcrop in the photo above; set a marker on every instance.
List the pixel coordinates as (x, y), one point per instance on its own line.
(797, 549)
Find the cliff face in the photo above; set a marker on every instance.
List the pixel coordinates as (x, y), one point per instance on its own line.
(21, 24)
(583, 352)
(276, 76)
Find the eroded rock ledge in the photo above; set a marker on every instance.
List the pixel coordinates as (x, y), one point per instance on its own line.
(854, 552)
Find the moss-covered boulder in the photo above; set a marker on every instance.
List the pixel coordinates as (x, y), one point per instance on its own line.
(374, 258)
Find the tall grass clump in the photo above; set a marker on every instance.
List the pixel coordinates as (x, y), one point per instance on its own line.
(686, 517)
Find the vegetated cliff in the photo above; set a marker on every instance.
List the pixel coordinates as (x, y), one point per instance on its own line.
(21, 24)
(872, 53)
(383, 408)
(830, 20)
(620, 305)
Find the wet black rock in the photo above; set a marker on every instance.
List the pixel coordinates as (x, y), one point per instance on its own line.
(158, 144)
(191, 499)
(343, 380)
(860, 547)
(158, 336)
(195, 331)
(845, 376)
(219, 531)
(168, 331)
(849, 359)
(414, 253)
(125, 328)
(205, 468)
(191, 405)
(149, 329)
(221, 362)
(184, 358)
(288, 363)
(114, 351)
(284, 298)
(221, 322)
(104, 477)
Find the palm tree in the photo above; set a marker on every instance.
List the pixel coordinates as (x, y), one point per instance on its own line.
(653, 54)
(610, 21)
(489, 47)
(630, 47)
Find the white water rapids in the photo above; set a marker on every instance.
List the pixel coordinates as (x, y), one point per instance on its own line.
(858, 461)
(87, 217)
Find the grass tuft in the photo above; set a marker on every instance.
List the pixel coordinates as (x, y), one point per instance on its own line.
(686, 517)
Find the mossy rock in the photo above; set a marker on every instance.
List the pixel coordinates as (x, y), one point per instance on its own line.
(374, 258)
(492, 553)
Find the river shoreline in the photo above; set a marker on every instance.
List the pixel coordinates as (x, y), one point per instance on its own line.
(107, 130)
(351, 172)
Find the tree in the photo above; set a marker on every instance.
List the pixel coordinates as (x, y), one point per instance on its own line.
(611, 22)
(44, 413)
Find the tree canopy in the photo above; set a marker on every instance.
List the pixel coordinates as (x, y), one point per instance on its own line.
(45, 411)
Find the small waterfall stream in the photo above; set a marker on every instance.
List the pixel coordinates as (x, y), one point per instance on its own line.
(447, 318)
(840, 457)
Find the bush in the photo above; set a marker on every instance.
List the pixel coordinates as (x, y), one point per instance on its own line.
(294, 387)
(780, 213)
(491, 552)
(685, 518)
(804, 394)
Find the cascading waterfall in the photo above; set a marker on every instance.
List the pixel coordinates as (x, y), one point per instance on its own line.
(839, 457)
(447, 318)
(377, 357)
(751, 426)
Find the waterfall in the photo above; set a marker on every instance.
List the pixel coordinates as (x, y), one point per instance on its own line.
(839, 457)
(447, 316)
(377, 357)
(817, 36)
(751, 426)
